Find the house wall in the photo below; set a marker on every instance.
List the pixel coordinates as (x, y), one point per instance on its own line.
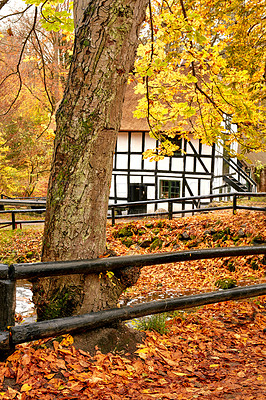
(194, 170)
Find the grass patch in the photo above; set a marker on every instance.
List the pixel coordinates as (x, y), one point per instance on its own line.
(155, 323)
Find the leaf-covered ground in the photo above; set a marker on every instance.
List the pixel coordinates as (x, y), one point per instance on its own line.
(213, 352)
(201, 231)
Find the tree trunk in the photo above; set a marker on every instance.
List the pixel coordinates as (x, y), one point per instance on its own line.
(88, 120)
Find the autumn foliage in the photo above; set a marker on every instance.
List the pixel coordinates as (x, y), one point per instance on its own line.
(201, 69)
(211, 352)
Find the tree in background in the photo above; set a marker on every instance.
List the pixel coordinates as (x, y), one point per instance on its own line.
(29, 97)
(204, 64)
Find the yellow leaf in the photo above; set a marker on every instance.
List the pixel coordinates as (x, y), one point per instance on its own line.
(142, 352)
(214, 365)
(26, 388)
(50, 376)
(179, 373)
(67, 341)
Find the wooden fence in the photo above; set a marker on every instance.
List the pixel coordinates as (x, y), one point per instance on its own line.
(11, 335)
(115, 208)
(196, 205)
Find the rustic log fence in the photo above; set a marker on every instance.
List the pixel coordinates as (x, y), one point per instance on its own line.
(39, 206)
(196, 205)
(11, 335)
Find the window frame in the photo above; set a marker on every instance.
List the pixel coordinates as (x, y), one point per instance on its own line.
(169, 181)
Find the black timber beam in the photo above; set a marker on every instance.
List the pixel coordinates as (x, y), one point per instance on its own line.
(38, 270)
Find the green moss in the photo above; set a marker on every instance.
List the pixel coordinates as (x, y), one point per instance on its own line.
(157, 243)
(125, 231)
(62, 303)
(149, 225)
(127, 241)
(226, 283)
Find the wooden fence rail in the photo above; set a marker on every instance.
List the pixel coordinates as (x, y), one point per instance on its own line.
(13, 335)
(40, 207)
(184, 200)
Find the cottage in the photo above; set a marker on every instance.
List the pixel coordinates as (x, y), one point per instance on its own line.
(200, 170)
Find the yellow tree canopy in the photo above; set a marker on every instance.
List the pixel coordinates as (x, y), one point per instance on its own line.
(204, 64)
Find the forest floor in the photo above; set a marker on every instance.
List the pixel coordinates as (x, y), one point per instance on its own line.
(210, 352)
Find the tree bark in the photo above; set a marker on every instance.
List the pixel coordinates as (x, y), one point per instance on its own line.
(88, 120)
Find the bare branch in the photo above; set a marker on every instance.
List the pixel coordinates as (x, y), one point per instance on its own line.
(147, 78)
(18, 65)
(44, 72)
(3, 3)
(168, 6)
(46, 128)
(15, 13)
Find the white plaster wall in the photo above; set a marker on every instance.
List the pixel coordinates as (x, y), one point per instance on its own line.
(135, 179)
(150, 143)
(207, 162)
(136, 141)
(150, 165)
(121, 186)
(112, 193)
(206, 150)
(177, 164)
(189, 164)
(122, 141)
(151, 192)
(195, 143)
(193, 186)
(121, 161)
(135, 161)
(164, 164)
(149, 179)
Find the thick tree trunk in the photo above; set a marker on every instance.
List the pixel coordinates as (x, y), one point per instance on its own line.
(88, 120)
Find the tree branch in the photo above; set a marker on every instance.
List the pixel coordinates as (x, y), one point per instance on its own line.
(44, 72)
(18, 65)
(147, 78)
(15, 13)
(3, 3)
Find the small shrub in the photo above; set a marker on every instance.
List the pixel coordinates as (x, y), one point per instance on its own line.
(124, 232)
(156, 243)
(226, 283)
(128, 241)
(155, 323)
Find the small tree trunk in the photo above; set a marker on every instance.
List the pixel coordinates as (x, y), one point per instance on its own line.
(88, 120)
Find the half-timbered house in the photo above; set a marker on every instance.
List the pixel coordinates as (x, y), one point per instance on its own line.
(199, 170)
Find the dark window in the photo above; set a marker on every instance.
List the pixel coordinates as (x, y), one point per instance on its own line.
(169, 189)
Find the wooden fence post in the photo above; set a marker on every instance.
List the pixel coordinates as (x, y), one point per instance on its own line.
(170, 210)
(234, 204)
(7, 299)
(13, 220)
(2, 207)
(113, 216)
